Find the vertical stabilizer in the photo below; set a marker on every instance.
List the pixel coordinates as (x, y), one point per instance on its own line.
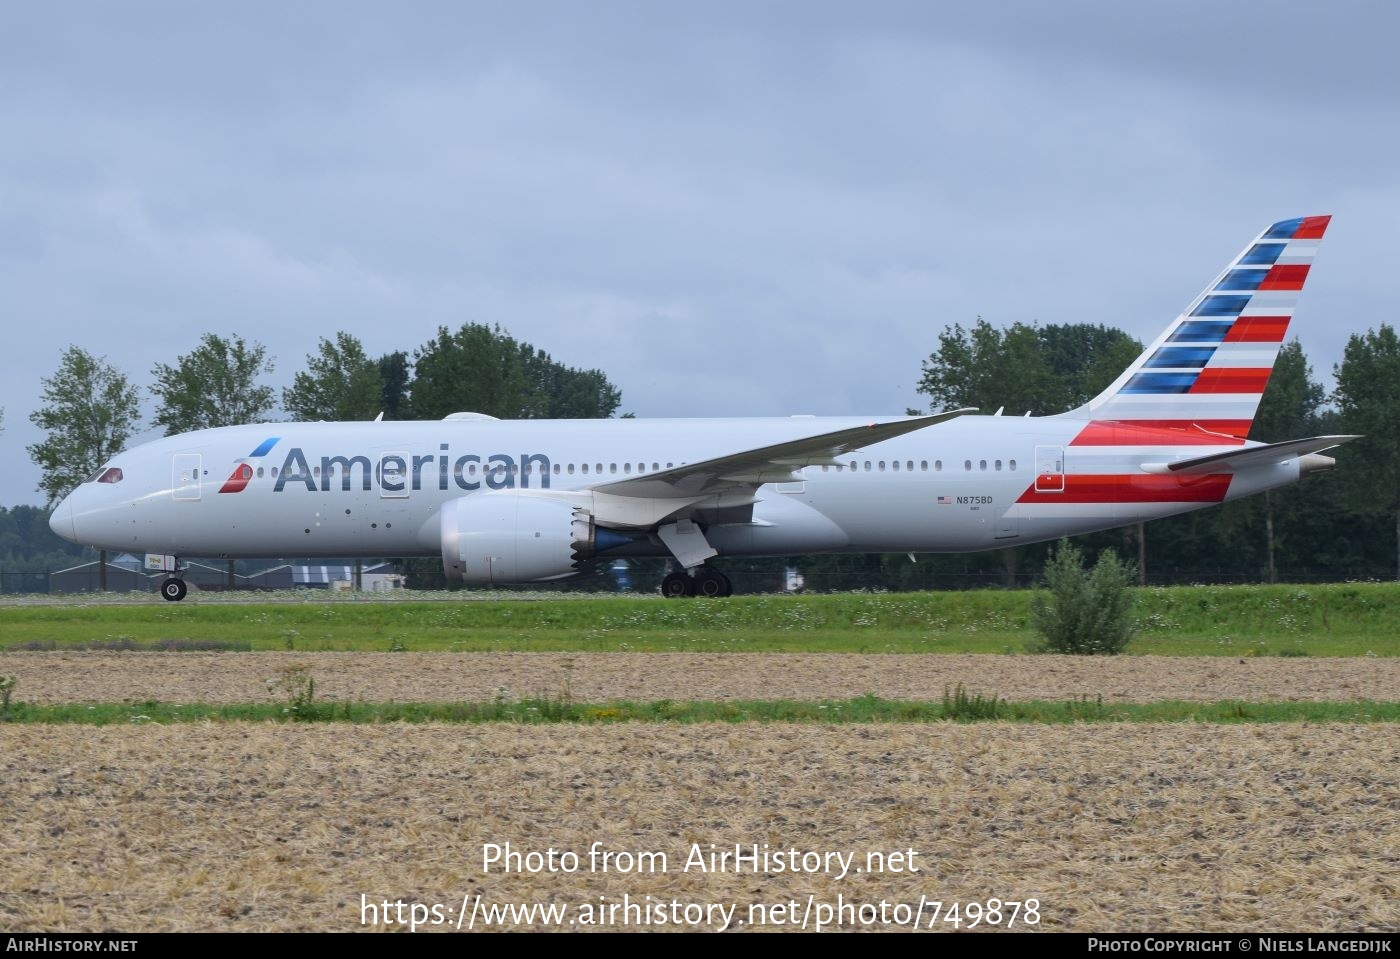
(1208, 369)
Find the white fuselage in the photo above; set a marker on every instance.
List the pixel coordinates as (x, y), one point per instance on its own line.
(377, 489)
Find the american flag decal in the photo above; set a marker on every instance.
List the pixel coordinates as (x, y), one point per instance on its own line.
(945, 501)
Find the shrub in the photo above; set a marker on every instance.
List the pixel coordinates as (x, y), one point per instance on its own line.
(1087, 612)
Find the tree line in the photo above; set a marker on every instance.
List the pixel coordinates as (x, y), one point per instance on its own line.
(1337, 525)
(90, 409)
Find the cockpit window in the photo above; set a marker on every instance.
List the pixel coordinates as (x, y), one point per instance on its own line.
(111, 474)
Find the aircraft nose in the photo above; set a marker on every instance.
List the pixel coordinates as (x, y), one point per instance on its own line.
(61, 522)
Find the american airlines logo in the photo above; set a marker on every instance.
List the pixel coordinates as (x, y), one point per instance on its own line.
(243, 470)
(395, 472)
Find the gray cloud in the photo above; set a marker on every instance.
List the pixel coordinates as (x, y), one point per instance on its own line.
(732, 208)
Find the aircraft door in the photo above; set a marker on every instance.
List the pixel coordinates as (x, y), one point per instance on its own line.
(1049, 469)
(185, 480)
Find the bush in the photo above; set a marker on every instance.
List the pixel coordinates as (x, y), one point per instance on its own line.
(1087, 612)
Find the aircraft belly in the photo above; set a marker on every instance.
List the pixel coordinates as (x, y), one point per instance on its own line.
(782, 524)
(918, 512)
(320, 525)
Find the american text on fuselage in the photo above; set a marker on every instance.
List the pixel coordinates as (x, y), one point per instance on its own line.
(401, 472)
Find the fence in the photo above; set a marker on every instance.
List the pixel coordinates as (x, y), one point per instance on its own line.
(16, 583)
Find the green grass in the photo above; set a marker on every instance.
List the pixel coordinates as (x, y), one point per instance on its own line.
(560, 709)
(1330, 620)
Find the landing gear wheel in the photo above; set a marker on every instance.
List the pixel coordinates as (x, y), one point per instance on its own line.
(712, 583)
(173, 590)
(676, 585)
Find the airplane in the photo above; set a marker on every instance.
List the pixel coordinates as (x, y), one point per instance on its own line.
(533, 501)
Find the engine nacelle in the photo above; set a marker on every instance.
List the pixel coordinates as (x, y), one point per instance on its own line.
(495, 538)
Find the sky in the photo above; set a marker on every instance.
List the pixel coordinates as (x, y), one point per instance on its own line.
(732, 208)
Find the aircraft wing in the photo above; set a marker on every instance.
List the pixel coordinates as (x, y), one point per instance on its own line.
(766, 464)
(1237, 459)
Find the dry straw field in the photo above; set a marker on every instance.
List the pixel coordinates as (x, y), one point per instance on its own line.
(1110, 827)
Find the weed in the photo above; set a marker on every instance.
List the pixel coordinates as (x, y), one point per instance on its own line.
(559, 707)
(1086, 709)
(296, 687)
(959, 706)
(7, 688)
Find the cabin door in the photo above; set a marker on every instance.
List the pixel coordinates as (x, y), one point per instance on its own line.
(186, 474)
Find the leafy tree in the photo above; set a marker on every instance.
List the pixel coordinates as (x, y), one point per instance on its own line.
(1292, 401)
(1085, 358)
(1368, 398)
(1288, 410)
(571, 394)
(988, 368)
(339, 383)
(476, 369)
(394, 377)
(28, 545)
(90, 410)
(483, 369)
(214, 385)
(1024, 368)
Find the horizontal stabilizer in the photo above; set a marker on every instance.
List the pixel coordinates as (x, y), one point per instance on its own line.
(1253, 456)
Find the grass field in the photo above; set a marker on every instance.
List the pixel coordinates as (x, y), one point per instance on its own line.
(1109, 827)
(864, 709)
(1360, 619)
(1239, 774)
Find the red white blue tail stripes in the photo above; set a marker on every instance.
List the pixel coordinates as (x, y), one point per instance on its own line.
(1206, 373)
(1193, 392)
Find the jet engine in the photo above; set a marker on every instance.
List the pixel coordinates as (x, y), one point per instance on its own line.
(493, 538)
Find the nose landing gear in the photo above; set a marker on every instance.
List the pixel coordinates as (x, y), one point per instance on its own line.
(173, 588)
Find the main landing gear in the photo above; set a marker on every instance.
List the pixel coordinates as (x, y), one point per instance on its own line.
(702, 581)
